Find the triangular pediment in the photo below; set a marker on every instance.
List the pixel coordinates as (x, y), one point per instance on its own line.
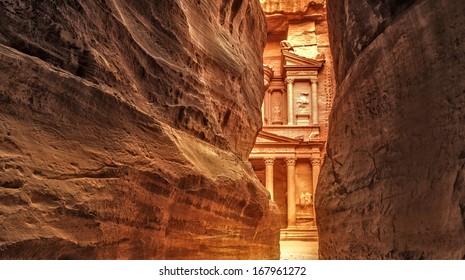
(293, 59)
(267, 137)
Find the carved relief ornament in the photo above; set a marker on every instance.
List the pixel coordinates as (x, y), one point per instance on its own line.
(273, 150)
(303, 101)
(315, 161)
(290, 161)
(290, 80)
(299, 73)
(269, 161)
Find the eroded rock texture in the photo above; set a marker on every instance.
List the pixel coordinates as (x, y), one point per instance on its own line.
(393, 182)
(125, 129)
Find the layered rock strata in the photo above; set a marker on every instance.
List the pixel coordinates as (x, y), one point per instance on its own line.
(393, 182)
(125, 129)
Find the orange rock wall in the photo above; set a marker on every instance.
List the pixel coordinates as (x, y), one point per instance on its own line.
(392, 183)
(124, 127)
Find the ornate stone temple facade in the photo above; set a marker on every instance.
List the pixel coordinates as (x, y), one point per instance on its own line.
(298, 96)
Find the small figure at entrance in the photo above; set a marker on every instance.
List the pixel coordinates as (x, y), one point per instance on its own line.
(305, 199)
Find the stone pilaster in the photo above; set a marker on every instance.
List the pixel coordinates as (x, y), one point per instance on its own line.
(263, 112)
(290, 162)
(290, 101)
(316, 165)
(314, 83)
(269, 162)
(268, 112)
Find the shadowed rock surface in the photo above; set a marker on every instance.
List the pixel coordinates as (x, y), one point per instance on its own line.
(393, 182)
(125, 128)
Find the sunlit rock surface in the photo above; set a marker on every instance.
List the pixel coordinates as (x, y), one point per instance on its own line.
(393, 182)
(124, 127)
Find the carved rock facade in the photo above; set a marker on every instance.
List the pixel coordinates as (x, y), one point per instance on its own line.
(393, 182)
(125, 130)
(298, 97)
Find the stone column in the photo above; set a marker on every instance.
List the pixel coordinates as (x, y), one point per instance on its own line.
(263, 112)
(269, 162)
(268, 113)
(316, 164)
(314, 82)
(290, 162)
(290, 101)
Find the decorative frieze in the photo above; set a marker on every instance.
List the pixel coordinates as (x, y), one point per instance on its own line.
(302, 73)
(273, 150)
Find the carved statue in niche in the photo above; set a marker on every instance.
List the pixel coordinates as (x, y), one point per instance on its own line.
(303, 102)
(276, 109)
(276, 112)
(305, 200)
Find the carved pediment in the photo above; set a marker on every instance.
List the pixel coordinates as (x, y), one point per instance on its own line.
(263, 140)
(293, 60)
(271, 138)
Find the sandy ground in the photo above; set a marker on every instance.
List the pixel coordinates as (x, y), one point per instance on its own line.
(299, 250)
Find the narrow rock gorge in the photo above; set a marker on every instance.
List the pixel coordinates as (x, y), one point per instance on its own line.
(125, 129)
(392, 185)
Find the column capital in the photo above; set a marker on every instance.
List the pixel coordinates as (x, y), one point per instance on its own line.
(290, 161)
(269, 161)
(290, 80)
(316, 161)
(314, 80)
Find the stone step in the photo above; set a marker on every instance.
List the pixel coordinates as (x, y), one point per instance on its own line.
(303, 234)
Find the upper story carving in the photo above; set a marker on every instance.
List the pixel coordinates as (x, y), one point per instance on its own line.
(298, 73)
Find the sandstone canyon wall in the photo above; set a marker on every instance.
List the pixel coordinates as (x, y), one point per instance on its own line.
(125, 129)
(393, 182)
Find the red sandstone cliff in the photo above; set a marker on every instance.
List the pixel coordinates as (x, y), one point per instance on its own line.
(393, 182)
(124, 127)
